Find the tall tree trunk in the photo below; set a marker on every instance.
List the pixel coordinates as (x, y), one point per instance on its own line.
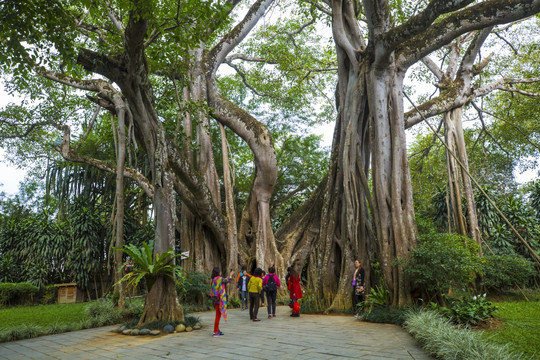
(120, 162)
(232, 231)
(458, 178)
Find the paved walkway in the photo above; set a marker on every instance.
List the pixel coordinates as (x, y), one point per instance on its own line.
(283, 337)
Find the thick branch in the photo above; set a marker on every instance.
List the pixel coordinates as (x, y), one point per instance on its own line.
(419, 23)
(484, 14)
(234, 37)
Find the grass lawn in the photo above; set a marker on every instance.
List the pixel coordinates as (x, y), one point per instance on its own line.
(520, 327)
(42, 315)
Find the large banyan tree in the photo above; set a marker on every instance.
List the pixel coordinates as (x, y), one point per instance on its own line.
(153, 65)
(376, 42)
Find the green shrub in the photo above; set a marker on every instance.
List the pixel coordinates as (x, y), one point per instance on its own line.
(190, 320)
(193, 289)
(312, 304)
(442, 261)
(17, 293)
(48, 294)
(445, 341)
(97, 308)
(234, 302)
(503, 272)
(386, 315)
(467, 311)
(378, 296)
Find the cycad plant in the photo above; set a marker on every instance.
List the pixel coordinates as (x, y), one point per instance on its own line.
(147, 267)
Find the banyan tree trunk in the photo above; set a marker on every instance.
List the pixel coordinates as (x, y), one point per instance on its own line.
(162, 303)
(459, 182)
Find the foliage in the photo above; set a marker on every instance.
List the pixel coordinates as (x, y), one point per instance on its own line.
(17, 293)
(378, 296)
(312, 304)
(502, 272)
(445, 341)
(146, 267)
(386, 315)
(535, 198)
(48, 294)
(442, 261)
(521, 326)
(467, 311)
(22, 323)
(234, 302)
(191, 320)
(193, 288)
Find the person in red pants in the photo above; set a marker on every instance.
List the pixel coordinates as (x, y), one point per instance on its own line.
(219, 298)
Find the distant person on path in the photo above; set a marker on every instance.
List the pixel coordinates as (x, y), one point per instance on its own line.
(254, 289)
(295, 291)
(219, 298)
(358, 286)
(270, 285)
(242, 281)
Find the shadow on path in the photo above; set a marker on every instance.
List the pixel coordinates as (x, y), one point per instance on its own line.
(282, 337)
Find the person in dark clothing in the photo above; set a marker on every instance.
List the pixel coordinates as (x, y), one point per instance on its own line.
(242, 281)
(270, 285)
(358, 286)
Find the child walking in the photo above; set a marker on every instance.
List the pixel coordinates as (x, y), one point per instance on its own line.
(219, 298)
(270, 286)
(254, 289)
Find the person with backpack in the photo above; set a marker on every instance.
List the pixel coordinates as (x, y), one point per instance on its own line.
(270, 286)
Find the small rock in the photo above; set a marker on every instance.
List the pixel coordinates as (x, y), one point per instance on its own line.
(196, 327)
(126, 332)
(197, 324)
(144, 332)
(135, 332)
(167, 329)
(155, 332)
(189, 328)
(122, 328)
(180, 328)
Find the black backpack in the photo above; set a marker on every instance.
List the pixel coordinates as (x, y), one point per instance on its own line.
(271, 285)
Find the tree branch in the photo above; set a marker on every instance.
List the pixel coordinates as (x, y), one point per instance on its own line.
(216, 56)
(484, 14)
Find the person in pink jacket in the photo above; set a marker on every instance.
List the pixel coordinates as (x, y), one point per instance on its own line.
(270, 285)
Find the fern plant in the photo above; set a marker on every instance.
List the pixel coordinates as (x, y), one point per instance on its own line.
(147, 267)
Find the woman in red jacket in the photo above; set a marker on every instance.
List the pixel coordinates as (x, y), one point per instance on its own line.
(295, 291)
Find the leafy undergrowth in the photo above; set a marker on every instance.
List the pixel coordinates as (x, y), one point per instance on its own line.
(442, 339)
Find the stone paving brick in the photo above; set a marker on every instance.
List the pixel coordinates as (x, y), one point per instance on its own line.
(308, 337)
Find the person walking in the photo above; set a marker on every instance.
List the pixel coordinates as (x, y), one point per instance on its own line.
(242, 285)
(219, 298)
(295, 290)
(270, 285)
(358, 286)
(254, 290)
